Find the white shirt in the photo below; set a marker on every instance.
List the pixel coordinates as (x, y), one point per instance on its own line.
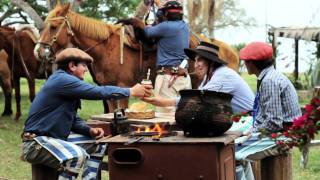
(226, 80)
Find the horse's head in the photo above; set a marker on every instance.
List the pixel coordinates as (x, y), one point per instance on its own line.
(56, 34)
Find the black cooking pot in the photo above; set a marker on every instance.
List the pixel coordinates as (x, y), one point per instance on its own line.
(202, 113)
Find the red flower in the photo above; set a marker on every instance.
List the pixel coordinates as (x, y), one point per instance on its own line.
(274, 135)
(244, 113)
(286, 134)
(315, 101)
(280, 142)
(308, 108)
(300, 120)
(235, 118)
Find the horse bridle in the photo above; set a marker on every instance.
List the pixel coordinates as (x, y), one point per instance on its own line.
(48, 45)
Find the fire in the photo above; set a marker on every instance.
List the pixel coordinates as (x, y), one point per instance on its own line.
(156, 128)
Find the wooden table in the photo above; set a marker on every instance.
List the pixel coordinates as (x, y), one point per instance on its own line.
(161, 118)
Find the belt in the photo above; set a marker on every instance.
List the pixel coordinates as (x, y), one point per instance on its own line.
(172, 71)
(27, 136)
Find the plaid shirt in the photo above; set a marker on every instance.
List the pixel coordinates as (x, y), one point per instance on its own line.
(278, 101)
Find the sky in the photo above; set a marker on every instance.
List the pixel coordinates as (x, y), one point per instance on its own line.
(277, 13)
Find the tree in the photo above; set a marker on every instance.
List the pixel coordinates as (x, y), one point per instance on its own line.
(35, 11)
(30, 11)
(203, 19)
(22, 12)
(238, 47)
(109, 10)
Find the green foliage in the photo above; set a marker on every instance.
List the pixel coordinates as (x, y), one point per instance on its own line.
(110, 10)
(318, 50)
(9, 13)
(316, 74)
(4, 4)
(228, 13)
(303, 82)
(40, 9)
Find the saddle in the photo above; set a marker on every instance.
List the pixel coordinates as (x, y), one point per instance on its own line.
(131, 40)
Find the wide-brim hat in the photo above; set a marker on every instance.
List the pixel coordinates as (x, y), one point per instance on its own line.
(73, 54)
(206, 50)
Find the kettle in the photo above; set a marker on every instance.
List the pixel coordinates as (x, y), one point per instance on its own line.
(120, 123)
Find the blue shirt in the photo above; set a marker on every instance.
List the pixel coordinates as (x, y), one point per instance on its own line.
(173, 39)
(278, 101)
(53, 112)
(227, 80)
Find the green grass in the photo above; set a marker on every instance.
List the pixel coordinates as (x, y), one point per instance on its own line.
(11, 167)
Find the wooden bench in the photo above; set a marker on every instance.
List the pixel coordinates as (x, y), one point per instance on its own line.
(273, 167)
(41, 172)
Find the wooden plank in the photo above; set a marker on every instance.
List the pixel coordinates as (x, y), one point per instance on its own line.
(227, 138)
(277, 167)
(161, 118)
(256, 168)
(314, 143)
(40, 172)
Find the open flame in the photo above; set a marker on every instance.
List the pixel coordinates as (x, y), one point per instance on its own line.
(157, 128)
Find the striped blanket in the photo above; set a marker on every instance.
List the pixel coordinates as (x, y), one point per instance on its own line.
(254, 147)
(73, 156)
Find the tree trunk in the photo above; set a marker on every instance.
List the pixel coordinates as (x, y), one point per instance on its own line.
(211, 20)
(75, 4)
(30, 11)
(141, 10)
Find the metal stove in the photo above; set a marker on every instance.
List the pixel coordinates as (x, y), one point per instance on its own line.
(173, 157)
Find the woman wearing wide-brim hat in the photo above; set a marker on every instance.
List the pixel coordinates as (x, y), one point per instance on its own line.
(216, 76)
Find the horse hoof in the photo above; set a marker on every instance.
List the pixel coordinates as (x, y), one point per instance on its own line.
(7, 113)
(16, 118)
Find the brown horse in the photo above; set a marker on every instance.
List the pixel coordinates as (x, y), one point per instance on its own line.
(114, 63)
(22, 63)
(5, 80)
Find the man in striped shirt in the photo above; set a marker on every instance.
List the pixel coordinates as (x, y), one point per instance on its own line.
(276, 103)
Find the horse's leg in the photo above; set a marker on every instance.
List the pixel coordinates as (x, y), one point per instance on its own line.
(16, 82)
(7, 90)
(124, 103)
(32, 93)
(112, 104)
(105, 106)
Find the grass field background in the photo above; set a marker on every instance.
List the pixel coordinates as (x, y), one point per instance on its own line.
(11, 167)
